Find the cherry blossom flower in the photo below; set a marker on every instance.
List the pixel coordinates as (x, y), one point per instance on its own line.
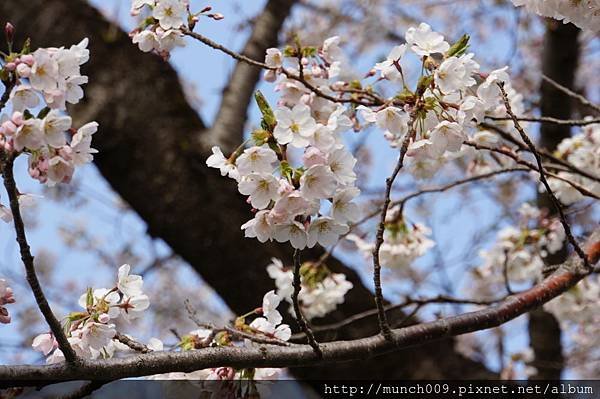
(259, 227)
(256, 159)
(97, 335)
(424, 41)
(318, 182)
(294, 232)
(325, 231)
(261, 187)
(388, 68)
(343, 209)
(23, 97)
(217, 160)
(129, 284)
(44, 343)
(294, 126)
(269, 308)
(170, 13)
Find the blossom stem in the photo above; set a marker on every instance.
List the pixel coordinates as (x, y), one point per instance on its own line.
(27, 258)
(299, 316)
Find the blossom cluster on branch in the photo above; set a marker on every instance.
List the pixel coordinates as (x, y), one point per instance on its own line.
(159, 31)
(583, 151)
(91, 331)
(517, 256)
(322, 291)
(39, 85)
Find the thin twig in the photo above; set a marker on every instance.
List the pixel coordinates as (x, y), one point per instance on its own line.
(290, 75)
(505, 274)
(384, 326)
(296, 303)
(548, 119)
(27, 258)
(584, 191)
(571, 93)
(543, 179)
(193, 315)
(133, 344)
(8, 87)
(409, 301)
(544, 153)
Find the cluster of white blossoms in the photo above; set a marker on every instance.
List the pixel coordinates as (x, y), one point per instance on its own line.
(443, 111)
(518, 252)
(6, 297)
(402, 243)
(578, 312)
(451, 98)
(161, 31)
(321, 290)
(43, 130)
(91, 332)
(582, 151)
(304, 204)
(583, 13)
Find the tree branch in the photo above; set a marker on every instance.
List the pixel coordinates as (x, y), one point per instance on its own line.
(304, 355)
(27, 258)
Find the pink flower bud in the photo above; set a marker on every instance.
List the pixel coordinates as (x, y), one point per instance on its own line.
(11, 66)
(28, 59)
(9, 31)
(103, 318)
(217, 16)
(17, 118)
(23, 70)
(8, 128)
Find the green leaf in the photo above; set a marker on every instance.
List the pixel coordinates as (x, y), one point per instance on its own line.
(460, 47)
(268, 116)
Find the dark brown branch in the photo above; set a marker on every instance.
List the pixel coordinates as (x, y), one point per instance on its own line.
(542, 151)
(133, 344)
(384, 326)
(543, 179)
(303, 355)
(549, 119)
(300, 78)
(27, 258)
(302, 323)
(440, 299)
(571, 93)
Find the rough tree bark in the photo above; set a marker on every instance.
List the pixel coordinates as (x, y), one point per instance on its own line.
(559, 62)
(152, 152)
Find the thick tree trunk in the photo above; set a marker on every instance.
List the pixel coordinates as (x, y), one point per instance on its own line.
(151, 154)
(559, 62)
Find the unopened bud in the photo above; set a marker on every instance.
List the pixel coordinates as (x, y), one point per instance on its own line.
(217, 16)
(9, 32)
(205, 9)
